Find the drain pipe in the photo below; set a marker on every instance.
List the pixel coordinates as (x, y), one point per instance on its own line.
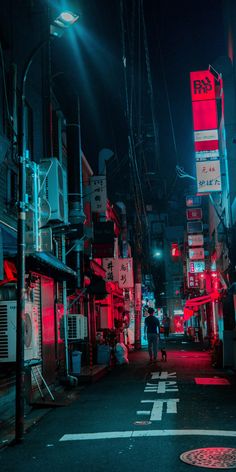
(75, 186)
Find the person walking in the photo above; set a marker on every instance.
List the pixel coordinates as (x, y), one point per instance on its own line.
(151, 332)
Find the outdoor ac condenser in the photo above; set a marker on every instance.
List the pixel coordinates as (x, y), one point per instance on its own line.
(53, 187)
(8, 331)
(75, 327)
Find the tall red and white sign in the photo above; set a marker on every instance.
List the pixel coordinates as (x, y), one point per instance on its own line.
(205, 126)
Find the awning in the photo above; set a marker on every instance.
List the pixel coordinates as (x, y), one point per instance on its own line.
(97, 269)
(50, 265)
(193, 304)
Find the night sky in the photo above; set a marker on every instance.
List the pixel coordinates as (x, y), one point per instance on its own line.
(182, 36)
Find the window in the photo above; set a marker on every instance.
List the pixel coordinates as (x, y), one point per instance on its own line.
(12, 185)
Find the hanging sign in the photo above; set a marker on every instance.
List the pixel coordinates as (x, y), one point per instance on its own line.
(193, 201)
(195, 240)
(196, 253)
(196, 266)
(194, 227)
(207, 155)
(202, 85)
(111, 267)
(98, 193)
(193, 280)
(125, 268)
(194, 214)
(208, 176)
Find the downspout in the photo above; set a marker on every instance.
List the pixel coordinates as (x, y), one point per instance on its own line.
(75, 186)
(65, 307)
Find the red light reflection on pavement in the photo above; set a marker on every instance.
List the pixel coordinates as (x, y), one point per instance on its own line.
(211, 381)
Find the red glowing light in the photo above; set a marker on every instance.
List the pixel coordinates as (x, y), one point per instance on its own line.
(175, 252)
(204, 115)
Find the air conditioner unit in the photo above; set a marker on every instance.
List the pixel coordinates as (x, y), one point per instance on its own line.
(31, 329)
(8, 331)
(75, 327)
(54, 189)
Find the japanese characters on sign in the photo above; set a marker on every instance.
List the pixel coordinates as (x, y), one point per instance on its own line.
(196, 253)
(195, 240)
(194, 214)
(193, 201)
(98, 193)
(119, 270)
(194, 227)
(193, 280)
(208, 176)
(125, 272)
(206, 135)
(111, 267)
(196, 266)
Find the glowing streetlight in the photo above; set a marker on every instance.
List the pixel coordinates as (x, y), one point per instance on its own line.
(62, 22)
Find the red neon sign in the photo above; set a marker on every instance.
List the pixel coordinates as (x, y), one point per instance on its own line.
(204, 115)
(202, 85)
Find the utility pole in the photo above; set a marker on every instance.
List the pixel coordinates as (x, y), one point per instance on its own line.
(23, 157)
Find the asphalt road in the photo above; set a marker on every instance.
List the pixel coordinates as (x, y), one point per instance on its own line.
(140, 417)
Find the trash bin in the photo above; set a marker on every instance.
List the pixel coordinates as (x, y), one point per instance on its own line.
(103, 354)
(76, 362)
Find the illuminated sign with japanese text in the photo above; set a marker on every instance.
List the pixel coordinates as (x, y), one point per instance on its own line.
(193, 280)
(193, 200)
(194, 227)
(206, 136)
(196, 267)
(196, 253)
(194, 214)
(195, 240)
(208, 176)
(125, 268)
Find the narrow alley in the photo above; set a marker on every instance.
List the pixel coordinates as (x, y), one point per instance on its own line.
(141, 416)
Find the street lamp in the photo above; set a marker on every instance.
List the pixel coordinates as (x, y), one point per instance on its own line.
(61, 23)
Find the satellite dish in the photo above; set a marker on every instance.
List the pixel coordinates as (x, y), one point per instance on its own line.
(44, 212)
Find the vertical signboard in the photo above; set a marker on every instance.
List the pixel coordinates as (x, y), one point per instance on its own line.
(110, 264)
(125, 267)
(98, 193)
(208, 176)
(205, 126)
(194, 214)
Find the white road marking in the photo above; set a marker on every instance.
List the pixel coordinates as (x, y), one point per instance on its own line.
(157, 409)
(163, 375)
(147, 433)
(143, 412)
(162, 387)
